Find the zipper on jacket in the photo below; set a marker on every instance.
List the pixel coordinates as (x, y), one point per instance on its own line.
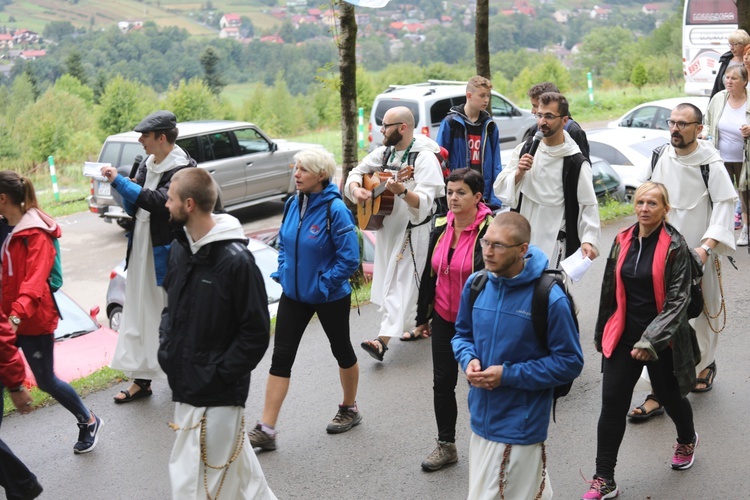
(296, 248)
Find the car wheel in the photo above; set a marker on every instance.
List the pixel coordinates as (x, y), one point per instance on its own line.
(115, 318)
(629, 194)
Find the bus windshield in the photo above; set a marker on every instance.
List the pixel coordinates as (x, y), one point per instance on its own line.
(706, 27)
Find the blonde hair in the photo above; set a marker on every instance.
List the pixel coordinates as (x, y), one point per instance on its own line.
(739, 36)
(317, 161)
(477, 82)
(650, 185)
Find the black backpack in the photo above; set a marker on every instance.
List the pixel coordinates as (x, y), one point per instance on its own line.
(539, 313)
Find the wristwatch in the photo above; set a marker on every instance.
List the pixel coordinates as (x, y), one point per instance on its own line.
(403, 195)
(14, 319)
(17, 389)
(707, 249)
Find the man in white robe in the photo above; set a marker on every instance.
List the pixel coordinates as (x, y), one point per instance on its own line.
(212, 335)
(536, 182)
(144, 198)
(705, 218)
(402, 242)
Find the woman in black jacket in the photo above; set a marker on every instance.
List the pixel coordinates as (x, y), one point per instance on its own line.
(737, 42)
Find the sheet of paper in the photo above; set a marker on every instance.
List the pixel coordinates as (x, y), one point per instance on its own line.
(576, 265)
(94, 169)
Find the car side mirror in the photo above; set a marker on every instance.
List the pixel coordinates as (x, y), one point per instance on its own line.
(274, 147)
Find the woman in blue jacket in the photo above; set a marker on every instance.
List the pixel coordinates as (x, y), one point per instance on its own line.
(318, 251)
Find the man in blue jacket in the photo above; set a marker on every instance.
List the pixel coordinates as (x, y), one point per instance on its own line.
(471, 137)
(511, 375)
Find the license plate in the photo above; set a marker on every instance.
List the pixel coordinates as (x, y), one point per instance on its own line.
(104, 189)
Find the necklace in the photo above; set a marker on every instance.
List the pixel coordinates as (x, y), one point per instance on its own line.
(406, 154)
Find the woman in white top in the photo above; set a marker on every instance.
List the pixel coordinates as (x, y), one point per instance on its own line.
(728, 124)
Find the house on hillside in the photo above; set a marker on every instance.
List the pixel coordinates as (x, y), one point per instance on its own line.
(230, 21)
(650, 8)
(6, 41)
(600, 12)
(25, 37)
(33, 54)
(231, 32)
(561, 16)
(272, 39)
(127, 26)
(524, 7)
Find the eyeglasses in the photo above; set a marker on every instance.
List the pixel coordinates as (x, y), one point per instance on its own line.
(732, 44)
(680, 125)
(546, 116)
(386, 125)
(496, 247)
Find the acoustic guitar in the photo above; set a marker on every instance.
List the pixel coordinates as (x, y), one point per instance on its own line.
(371, 213)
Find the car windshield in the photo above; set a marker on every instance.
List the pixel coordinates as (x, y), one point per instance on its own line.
(267, 261)
(647, 146)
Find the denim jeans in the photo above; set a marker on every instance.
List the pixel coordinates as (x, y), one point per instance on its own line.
(39, 353)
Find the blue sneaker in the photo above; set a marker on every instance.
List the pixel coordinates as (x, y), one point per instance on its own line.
(88, 435)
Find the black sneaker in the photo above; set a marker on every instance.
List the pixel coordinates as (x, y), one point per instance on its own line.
(345, 419)
(88, 435)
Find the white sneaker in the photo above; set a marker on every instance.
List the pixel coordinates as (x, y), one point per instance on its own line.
(742, 240)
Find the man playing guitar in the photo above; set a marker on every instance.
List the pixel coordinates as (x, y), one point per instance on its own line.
(402, 242)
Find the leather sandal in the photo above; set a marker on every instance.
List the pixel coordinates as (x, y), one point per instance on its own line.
(373, 351)
(143, 392)
(645, 415)
(708, 380)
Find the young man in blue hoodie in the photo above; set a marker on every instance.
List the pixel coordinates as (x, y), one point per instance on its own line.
(511, 375)
(471, 137)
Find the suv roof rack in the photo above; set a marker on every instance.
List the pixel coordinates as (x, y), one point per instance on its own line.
(428, 83)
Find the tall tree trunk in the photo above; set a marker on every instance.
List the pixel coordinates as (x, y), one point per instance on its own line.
(481, 39)
(348, 90)
(743, 14)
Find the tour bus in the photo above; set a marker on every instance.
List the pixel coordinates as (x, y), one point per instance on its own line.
(706, 27)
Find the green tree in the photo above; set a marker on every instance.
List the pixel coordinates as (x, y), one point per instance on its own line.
(74, 67)
(57, 30)
(192, 100)
(211, 75)
(600, 50)
(68, 83)
(639, 77)
(123, 104)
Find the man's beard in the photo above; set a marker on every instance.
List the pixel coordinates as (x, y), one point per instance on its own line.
(393, 139)
(678, 142)
(178, 219)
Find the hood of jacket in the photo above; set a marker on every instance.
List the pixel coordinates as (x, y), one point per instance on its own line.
(176, 158)
(424, 143)
(227, 228)
(32, 219)
(459, 112)
(329, 193)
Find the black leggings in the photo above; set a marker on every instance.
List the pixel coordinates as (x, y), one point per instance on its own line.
(621, 373)
(292, 319)
(444, 378)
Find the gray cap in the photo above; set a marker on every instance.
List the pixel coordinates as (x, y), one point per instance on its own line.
(161, 120)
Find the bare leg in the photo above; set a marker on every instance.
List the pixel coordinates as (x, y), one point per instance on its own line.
(349, 382)
(276, 389)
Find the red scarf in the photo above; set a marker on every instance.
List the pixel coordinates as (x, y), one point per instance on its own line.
(616, 323)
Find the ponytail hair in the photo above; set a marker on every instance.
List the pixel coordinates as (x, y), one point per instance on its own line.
(19, 189)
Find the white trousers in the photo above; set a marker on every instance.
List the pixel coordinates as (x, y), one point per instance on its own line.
(522, 474)
(242, 479)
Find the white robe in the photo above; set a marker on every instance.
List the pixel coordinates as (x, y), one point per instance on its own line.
(692, 216)
(138, 339)
(543, 202)
(244, 477)
(398, 265)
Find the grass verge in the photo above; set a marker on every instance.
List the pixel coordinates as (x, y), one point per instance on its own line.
(613, 209)
(100, 379)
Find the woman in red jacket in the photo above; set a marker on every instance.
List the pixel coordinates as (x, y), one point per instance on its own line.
(27, 255)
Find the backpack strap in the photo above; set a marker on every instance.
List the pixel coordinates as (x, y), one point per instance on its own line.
(477, 285)
(704, 173)
(540, 302)
(287, 206)
(386, 154)
(655, 155)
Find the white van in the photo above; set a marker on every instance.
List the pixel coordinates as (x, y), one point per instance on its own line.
(430, 102)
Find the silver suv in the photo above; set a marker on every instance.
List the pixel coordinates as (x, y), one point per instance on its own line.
(249, 167)
(430, 102)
